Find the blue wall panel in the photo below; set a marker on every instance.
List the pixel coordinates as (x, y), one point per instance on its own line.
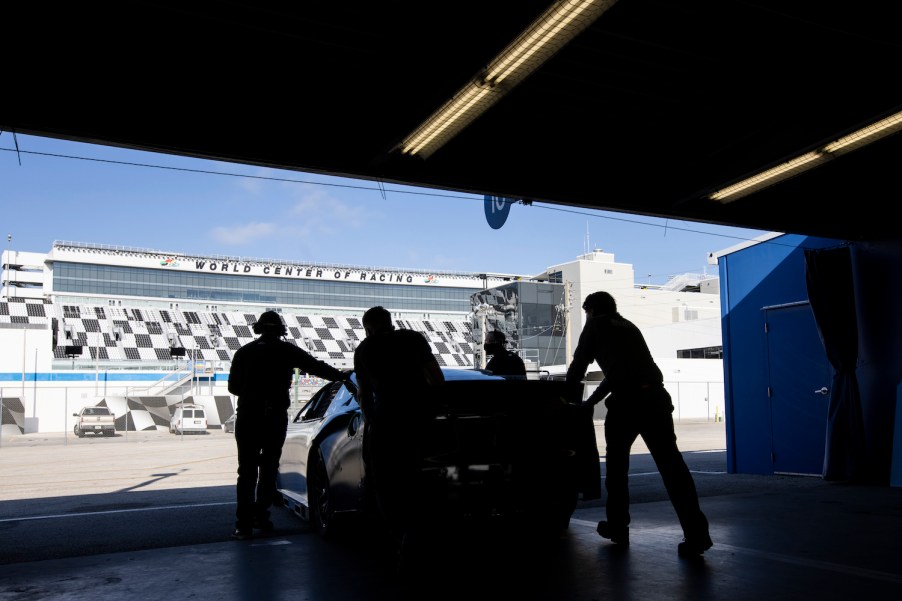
(769, 273)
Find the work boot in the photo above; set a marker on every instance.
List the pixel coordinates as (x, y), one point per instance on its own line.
(241, 534)
(694, 546)
(619, 535)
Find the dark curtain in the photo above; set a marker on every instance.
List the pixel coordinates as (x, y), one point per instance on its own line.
(832, 298)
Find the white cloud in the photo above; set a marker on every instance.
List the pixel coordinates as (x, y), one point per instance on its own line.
(257, 184)
(298, 214)
(244, 234)
(323, 213)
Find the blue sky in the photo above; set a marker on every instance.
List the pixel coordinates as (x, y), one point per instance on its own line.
(58, 190)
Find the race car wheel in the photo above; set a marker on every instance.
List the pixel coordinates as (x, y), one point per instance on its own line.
(322, 515)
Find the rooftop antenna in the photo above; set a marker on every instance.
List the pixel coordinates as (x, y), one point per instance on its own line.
(588, 248)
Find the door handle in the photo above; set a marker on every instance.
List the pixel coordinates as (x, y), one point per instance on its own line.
(822, 390)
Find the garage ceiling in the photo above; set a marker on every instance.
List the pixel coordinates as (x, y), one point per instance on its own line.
(650, 109)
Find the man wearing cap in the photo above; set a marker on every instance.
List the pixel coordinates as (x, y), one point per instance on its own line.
(504, 362)
(261, 378)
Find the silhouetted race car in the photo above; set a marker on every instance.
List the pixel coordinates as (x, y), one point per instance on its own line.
(500, 448)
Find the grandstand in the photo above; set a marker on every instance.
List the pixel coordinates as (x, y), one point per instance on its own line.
(142, 330)
(149, 337)
(147, 329)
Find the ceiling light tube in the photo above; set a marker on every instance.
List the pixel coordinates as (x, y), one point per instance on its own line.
(452, 112)
(866, 135)
(846, 144)
(563, 21)
(769, 177)
(546, 30)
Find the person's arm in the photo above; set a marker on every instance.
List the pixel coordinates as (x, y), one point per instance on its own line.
(310, 364)
(582, 357)
(365, 396)
(433, 371)
(236, 374)
(520, 369)
(434, 399)
(599, 394)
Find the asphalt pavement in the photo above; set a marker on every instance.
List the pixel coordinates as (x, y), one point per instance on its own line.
(147, 515)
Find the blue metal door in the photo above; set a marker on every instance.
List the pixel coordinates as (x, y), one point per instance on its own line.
(799, 383)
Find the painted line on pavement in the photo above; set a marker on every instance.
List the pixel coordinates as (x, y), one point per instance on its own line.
(111, 511)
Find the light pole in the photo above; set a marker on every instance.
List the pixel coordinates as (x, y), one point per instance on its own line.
(194, 376)
(9, 240)
(35, 383)
(117, 337)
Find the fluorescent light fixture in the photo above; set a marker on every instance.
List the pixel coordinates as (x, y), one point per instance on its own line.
(809, 160)
(866, 135)
(539, 42)
(769, 177)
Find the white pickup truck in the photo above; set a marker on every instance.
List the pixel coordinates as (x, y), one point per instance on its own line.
(94, 420)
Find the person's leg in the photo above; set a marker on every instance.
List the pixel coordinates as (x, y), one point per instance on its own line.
(379, 482)
(390, 487)
(247, 438)
(619, 434)
(274, 430)
(660, 437)
(392, 455)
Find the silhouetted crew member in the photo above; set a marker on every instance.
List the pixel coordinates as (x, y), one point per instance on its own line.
(261, 377)
(395, 369)
(504, 362)
(638, 405)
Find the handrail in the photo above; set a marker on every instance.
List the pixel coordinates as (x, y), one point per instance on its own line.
(162, 382)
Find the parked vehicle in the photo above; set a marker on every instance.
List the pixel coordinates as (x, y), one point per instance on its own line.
(188, 419)
(94, 420)
(229, 424)
(497, 447)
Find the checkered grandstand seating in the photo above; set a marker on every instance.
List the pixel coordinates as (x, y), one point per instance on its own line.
(117, 333)
(18, 310)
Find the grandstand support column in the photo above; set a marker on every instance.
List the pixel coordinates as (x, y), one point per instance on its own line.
(96, 364)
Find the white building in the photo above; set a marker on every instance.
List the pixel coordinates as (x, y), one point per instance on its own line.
(676, 318)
